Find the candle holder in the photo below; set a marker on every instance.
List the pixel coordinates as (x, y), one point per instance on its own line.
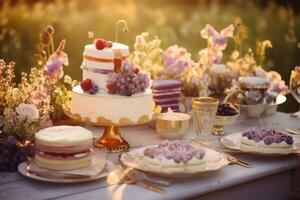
(172, 125)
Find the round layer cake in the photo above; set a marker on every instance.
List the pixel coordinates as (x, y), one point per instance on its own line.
(97, 64)
(63, 147)
(107, 76)
(103, 108)
(166, 94)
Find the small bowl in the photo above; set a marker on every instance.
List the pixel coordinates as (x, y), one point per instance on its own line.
(272, 108)
(174, 127)
(256, 111)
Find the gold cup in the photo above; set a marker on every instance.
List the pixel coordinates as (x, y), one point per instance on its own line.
(172, 128)
(204, 114)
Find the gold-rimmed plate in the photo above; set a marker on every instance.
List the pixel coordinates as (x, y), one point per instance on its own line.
(214, 161)
(233, 141)
(30, 170)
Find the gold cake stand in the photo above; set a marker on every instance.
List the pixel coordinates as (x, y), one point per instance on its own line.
(111, 140)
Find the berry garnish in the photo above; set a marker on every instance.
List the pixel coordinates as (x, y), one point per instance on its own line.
(137, 70)
(225, 109)
(268, 136)
(86, 85)
(111, 88)
(127, 80)
(94, 89)
(100, 44)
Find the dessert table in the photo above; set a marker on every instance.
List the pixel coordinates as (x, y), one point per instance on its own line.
(269, 178)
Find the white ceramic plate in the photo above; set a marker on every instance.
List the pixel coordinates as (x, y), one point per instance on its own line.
(99, 169)
(22, 168)
(135, 159)
(232, 141)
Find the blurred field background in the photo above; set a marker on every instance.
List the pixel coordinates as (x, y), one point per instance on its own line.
(173, 21)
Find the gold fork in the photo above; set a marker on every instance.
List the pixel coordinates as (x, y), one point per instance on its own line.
(230, 158)
(124, 176)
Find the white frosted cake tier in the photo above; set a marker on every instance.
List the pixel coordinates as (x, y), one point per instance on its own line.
(104, 108)
(103, 59)
(64, 136)
(97, 79)
(97, 64)
(63, 147)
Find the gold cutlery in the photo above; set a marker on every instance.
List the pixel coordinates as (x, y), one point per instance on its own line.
(230, 158)
(234, 160)
(138, 175)
(146, 185)
(122, 175)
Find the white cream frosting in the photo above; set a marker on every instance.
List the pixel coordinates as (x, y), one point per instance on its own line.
(111, 107)
(246, 141)
(63, 136)
(63, 164)
(97, 79)
(106, 53)
(173, 116)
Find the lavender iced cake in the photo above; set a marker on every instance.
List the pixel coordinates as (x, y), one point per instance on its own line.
(270, 138)
(174, 154)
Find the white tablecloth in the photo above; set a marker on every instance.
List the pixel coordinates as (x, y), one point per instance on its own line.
(269, 177)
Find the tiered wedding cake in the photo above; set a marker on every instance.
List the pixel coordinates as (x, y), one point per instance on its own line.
(113, 91)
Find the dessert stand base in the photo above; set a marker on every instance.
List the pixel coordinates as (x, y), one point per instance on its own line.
(111, 140)
(218, 130)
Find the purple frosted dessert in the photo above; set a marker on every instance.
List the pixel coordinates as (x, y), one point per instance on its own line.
(176, 151)
(166, 94)
(267, 137)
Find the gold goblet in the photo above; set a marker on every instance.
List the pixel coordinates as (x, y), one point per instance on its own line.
(204, 114)
(295, 87)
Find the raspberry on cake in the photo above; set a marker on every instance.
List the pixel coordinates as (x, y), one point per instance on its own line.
(63, 147)
(86, 85)
(102, 43)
